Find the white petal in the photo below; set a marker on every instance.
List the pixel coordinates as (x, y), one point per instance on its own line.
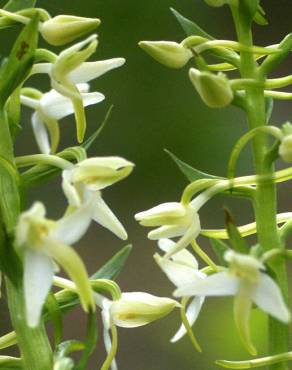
(171, 231)
(218, 284)
(56, 106)
(30, 102)
(91, 70)
(71, 228)
(161, 214)
(191, 234)
(183, 257)
(105, 217)
(178, 274)
(38, 277)
(69, 190)
(269, 298)
(192, 314)
(40, 133)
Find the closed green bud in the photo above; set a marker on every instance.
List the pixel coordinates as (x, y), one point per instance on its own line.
(63, 29)
(214, 89)
(285, 149)
(168, 53)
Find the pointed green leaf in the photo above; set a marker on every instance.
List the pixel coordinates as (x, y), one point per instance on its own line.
(190, 27)
(237, 241)
(247, 10)
(16, 5)
(190, 173)
(114, 266)
(88, 143)
(219, 248)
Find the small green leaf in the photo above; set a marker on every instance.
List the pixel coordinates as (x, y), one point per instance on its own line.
(260, 18)
(190, 27)
(16, 5)
(189, 172)
(247, 10)
(114, 266)
(69, 346)
(219, 248)
(17, 67)
(88, 143)
(237, 241)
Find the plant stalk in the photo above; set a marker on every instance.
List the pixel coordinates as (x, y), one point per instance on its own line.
(265, 204)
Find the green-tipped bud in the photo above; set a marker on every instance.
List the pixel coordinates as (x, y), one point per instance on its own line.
(218, 3)
(285, 148)
(63, 29)
(214, 89)
(168, 53)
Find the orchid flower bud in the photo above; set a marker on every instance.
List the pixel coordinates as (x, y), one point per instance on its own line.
(285, 148)
(137, 309)
(214, 89)
(168, 53)
(63, 29)
(173, 220)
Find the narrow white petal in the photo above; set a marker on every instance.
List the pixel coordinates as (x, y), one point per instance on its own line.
(192, 314)
(178, 274)
(171, 231)
(71, 228)
(40, 133)
(38, 277)
(105, 217)
(69, 190)
(219, 284)
(191, 234)
(92, 98)
(91, 70)
(269, 298)
(183, 257)
(30, 102)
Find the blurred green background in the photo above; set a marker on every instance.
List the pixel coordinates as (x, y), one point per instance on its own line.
(157, 108)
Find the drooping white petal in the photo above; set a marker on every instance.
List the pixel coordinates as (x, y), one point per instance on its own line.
(269, 298)
(40, 133)
(103, 215)
(218, 284)
(171, 231)
(70, 190)
(71, 228)
(191, 234)
(192, 314)
(38, 277)
(178, 274)
(91, 70)
(183, 257)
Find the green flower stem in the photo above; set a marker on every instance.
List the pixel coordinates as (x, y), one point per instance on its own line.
(265, 204)
(197, 249)
(187, 326)
(259, 362)
(47, 159)
(33, 343)
(241, 143)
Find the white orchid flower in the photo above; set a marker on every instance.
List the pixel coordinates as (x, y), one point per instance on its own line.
(181, 269)
(49, 109)
(82, 184)
(246, 281)
(44, 242)
(70, 69)
(174, 220)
